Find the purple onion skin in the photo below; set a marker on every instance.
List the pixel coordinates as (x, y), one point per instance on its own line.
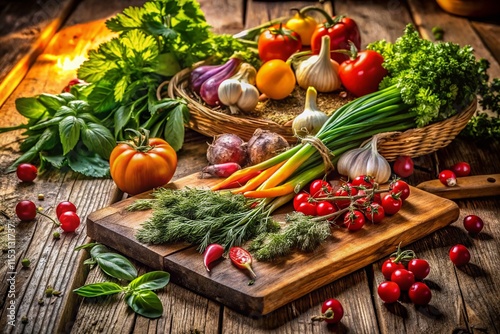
(209, 90)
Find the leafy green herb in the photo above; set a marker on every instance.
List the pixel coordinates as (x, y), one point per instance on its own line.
(155, 42)
(301, 232)
(202, 217)
(139, 293)
(63, 131)
(437, 79)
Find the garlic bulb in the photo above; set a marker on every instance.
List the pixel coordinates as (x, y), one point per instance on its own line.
(319, 71)
(239, 92)
(365, 161)
(310, 121)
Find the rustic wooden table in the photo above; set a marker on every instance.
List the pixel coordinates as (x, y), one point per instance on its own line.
(41, 45)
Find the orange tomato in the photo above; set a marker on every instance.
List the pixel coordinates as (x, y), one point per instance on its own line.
(275, 79)
(142, 165)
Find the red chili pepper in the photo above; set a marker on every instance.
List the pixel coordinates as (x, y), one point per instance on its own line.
(242, 259)
(340, 29)
(212, 253)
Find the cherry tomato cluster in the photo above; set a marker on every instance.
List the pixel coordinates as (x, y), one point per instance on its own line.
(404, 273)
(448, 177)
(352, 203)
(69, 220)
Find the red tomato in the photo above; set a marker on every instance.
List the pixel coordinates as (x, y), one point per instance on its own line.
(345, 190)
(389, 266)
(320, 188)
(363, 72)
(473, 224)
(63, 207)
(305, 203)
(341, 30)
(448, 178)
(278, 43)
(459, 255)
(391, 203)
(365, 181)
(375, 213)
(69, 221)
(404, 278)
(420, 294)
(388, 291)
(419, 267)
(403, 166)
(461, 169)
(324, 208)
(354, 220)
(142, 165)
(332, 311)
(301, 198)
(401, 187)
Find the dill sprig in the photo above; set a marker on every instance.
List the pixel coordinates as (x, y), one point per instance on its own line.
(301, 232)
(203, 217)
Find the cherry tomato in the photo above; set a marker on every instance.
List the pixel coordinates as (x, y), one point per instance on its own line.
(142, 165)
(400, 186)
(345, 190)
(324, 208)
(461, 169)
(320, 188)
(389, 266)
(341, 30)
(363, 72)
(448, 178)
(26, 172)
(332, 310)
(26, 210)
(354, 220)
(302, 24)
(63, 207)
(404, 278)
(473, 224)
(420, 294)
(365, 181)
(275, 79)
(374, 212)
(459, 255)
(391, 203)
(305, 203)
(278, 43)
(403, 166)
(301, 197)
(389, 291)
(419, 267)
(69, 221)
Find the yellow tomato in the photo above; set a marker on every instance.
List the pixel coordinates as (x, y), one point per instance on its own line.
(276, 79)
(304, 25)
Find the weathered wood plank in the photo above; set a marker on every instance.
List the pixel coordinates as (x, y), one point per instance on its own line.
(25, 31)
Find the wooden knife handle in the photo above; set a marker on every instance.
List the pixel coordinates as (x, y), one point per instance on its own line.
(467, 187)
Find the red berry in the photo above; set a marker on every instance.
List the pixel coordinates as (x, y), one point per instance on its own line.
(473, 224)
(63, 207)
(26, 172)
(26, 210)
(69, 221)
(420, 294)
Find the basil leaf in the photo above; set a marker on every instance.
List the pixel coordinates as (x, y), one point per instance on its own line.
(30, 107)
(116, 265)
(91, 262)
(145, 303)
(65, 111)
(166, 103)
(153, 280)
(80, 106)
(98, 249)
(87, 245)
(51, 101)
(174, 129)
(122, 116)
(46, 123)
(102, 97)
(69, 131)
(56, 161)
(98, 139)
(91, 165)
(98, 289)
(67, 96)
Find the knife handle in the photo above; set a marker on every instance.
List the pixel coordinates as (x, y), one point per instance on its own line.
(467, 187)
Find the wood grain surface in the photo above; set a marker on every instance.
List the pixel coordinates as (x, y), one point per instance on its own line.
(466, 187)
(465, 300)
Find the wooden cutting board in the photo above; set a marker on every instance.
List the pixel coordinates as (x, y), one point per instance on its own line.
(282, 281)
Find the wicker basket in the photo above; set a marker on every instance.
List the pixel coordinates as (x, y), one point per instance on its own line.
(413, 142)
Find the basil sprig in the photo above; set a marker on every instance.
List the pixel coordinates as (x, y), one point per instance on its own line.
(139, 293)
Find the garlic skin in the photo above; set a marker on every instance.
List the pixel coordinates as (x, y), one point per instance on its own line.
(319, 71)
(239, 92)
(310, 121)
(365, 161)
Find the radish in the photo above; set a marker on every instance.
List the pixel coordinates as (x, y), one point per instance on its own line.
(225, 148)
(221, 170)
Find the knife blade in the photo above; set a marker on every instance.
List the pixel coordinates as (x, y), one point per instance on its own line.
(467, 187)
